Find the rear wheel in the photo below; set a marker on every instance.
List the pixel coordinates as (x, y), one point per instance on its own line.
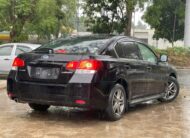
(172, 90)
(117, 103)
(39, 107)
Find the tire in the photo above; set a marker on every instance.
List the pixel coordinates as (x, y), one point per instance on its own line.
(172, 90)
(116, 108)
(38, 107)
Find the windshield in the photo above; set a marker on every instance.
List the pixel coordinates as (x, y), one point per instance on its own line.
(75, 46)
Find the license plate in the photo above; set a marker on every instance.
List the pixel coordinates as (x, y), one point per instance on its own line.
(44, 73)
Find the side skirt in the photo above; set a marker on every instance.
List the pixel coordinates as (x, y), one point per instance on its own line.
(140, 100)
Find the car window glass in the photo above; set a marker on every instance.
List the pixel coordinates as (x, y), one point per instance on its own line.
(22, 49)
(127, 50)
(6, 50)
(147, 54)
(76, 45)
(110, 52)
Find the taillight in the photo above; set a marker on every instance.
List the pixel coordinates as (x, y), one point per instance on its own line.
(72, 65)
(81, 102)
(88, 64)
(18, 62)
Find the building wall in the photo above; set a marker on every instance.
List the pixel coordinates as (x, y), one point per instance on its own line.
(147, 36)
(187, 23)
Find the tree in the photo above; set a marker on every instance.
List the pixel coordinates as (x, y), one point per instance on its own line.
(109, 16)
(42, 17)
(13, 16)
(65, 14)
(51, 17)
(167, 18)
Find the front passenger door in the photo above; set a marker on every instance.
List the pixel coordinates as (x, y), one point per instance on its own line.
(6, 58)
(155, 75)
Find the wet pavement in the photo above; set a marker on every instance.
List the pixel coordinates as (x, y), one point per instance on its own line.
(153, 120)
(2, 84)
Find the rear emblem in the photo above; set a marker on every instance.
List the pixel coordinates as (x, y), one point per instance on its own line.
(45, 57)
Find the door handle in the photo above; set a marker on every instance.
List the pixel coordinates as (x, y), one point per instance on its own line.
(149, 68)
(6, 59)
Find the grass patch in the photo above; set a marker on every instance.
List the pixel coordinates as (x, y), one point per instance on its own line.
(178, 56)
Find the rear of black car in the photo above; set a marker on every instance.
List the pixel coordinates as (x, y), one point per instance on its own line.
(64, 72)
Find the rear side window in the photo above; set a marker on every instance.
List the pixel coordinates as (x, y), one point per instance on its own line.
(22, 49)
(127, 50)
(6, 50)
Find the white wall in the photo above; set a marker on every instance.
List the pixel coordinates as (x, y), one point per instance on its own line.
(148, 34)
(187, 24)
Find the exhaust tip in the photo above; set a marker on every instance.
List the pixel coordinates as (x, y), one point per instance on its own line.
(16, 100)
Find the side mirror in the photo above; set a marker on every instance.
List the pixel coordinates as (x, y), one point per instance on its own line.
(163, 58)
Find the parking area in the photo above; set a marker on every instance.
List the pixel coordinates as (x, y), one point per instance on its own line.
(148, 120)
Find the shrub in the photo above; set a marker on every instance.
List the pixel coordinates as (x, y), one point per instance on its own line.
(178, 56)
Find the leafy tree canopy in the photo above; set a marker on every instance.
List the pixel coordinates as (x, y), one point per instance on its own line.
(42, 17)
(167, 18)
(108, 16)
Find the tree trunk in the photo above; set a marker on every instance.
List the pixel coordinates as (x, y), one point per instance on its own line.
(17, 30)
(58, 29)
(129, 23)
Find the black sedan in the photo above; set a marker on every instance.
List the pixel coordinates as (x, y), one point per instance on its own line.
(94, 72)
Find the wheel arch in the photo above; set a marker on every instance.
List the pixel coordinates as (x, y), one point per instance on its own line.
(173, 75)
(124, 83)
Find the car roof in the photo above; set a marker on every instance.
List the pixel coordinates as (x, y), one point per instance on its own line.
(25, 44)
(127, 38)
(22, 43)
(106, 36)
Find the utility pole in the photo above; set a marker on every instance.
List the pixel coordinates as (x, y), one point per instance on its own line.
(174, 30)
(78, 16)
(187, 24)
(134, 23)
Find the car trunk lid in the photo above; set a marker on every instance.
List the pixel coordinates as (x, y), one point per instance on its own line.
(47, 68)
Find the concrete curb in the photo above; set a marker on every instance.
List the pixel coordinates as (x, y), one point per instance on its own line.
(183, 68)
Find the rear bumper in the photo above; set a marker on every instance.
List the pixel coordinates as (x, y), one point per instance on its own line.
(56, 94)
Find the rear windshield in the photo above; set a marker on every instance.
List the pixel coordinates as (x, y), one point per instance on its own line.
(75, 46)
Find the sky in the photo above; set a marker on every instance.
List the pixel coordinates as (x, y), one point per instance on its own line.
(137, 16)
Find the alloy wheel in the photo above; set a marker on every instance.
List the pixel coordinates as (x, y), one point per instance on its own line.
(118, 102)
(171, 90)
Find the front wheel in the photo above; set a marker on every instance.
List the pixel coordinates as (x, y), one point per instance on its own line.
(172, 90)
(117, 103)
(39, 107)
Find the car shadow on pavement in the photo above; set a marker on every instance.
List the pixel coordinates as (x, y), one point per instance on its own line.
(67, 114)
(78, 115)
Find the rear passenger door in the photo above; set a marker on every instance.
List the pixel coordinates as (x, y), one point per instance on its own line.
(133, 67)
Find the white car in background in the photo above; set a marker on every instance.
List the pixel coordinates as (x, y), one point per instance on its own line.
(9, 51)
